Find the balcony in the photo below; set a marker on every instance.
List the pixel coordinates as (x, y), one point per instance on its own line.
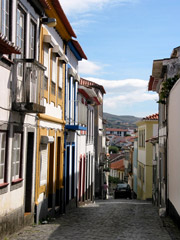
(82, 113)
(28, 89)
(76, 121)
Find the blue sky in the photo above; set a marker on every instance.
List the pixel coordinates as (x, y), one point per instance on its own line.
(121, 38)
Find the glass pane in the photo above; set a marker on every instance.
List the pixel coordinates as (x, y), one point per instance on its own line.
(59, 92)
(17, 169)
(53, 88)
(3, 3)
(18, 156)
(3, 140)
(7, 5)
(1, 171)
(45, 83)
(2, 160)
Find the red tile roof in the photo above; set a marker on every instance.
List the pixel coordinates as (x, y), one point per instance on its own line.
(152, 117)
(116, 130)
(118, 165)
(88, 83)
(7, 47)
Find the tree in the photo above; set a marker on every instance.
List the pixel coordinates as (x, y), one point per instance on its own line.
(113, 149)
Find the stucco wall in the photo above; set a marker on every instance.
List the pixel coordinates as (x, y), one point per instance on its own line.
(174, 146)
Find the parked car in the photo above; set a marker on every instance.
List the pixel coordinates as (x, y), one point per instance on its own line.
(122, 190)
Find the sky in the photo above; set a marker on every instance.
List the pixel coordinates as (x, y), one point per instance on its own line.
(121, 38)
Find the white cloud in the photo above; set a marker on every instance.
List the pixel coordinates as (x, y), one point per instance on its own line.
(122, 94)
(88, 67)
(83, 6)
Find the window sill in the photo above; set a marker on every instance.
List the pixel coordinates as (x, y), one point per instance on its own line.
(3, 185)
(17, 181)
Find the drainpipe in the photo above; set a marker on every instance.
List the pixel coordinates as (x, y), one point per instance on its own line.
(65, 152)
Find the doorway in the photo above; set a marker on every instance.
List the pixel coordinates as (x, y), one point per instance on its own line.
(51, 171)
(29, 172)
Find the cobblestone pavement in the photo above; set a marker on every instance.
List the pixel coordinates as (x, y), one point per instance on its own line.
(109, 219)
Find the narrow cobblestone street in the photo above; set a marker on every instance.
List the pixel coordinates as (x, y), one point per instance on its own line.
(110, 219)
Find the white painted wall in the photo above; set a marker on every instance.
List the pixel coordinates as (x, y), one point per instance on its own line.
(174, 146)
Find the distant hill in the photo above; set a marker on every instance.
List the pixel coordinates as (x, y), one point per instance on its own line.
(124, 121)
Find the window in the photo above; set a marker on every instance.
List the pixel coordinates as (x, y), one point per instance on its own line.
(54, 75)
(46, 64)
(53, 88)
(54, 68)
(43, 164)
(20, 39)
(20, 33)
(4, 19)
(32, 40)
(60, 80)
(142, 138)
(2, 157)
(16, 156)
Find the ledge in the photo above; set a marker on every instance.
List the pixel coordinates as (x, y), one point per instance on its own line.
(17, 181)
(3, 185)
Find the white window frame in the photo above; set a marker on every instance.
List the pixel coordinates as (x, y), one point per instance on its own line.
(43, 163)
(3, 136)
(16, 156)
(60, 74)
(4, 15)
(54, 68)
(46, 59)
(20, 39)
(32, 39)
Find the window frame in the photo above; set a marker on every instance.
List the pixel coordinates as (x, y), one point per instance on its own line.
(4, 181)
(60, 80)
(6, 26)
(34, 24)
(17, 178)
(24, 13)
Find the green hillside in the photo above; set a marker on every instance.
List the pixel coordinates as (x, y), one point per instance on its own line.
(124, 121)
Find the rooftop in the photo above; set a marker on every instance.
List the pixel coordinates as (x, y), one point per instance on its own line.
(152, 117)
(116, 130)
(118, 165)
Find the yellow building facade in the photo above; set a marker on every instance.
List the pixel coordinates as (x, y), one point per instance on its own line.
(51, 124)
(147, 128)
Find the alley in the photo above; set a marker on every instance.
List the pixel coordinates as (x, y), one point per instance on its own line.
(109, 219)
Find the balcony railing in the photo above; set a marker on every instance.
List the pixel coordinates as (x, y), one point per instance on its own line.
(28, 90)
(76, 113)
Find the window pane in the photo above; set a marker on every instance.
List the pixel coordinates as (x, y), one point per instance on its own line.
(1, 171)
(17, 169)
(45, 83)
(20, 31)
(2, 160)
(32, 40)
(53, 86)
(46, 58)
(60, 75)
(16, 155)
(59, 92)
(54, 68)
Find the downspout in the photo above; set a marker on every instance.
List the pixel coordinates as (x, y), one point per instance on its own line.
(65, 142)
